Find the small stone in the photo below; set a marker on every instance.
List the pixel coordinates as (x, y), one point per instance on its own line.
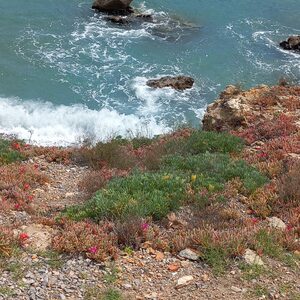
(173, 267)
(69, 195)
(297, 253)
(185, 280)
(189, 254)
(151, 296)
(236, 289)
(127, 286)
(159, 256)
(251, 258)
(205, 277)
(277, 223)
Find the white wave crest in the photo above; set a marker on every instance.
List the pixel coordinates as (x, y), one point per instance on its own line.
(46, 124)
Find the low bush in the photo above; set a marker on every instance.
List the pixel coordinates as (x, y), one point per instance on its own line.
(180, 181)
(10, 151)
(17, 183)
(7, 241)
(95, 241)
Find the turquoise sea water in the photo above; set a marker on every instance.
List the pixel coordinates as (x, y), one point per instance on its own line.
(65, 72)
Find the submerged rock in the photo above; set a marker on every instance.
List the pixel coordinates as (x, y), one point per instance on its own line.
(113, 6)
(177, 83)
(292, 43)
(117, 20)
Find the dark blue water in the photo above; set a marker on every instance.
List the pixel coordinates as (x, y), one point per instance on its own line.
(66, 73)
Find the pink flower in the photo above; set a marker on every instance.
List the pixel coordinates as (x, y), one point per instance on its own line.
(23, 236)
(289, 227)
(145, 226)
(254, 221)
(17, 206)
(93, 250)
(26, 186)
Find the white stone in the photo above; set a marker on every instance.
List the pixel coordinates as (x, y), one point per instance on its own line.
(184, 280)
(251, 258)
(277, 223)
(189, 254)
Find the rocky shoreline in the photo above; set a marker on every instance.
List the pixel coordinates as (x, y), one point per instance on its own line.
(37, 271)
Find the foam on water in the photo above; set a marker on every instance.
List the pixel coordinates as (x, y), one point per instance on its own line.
(46, 124)
(95, 72)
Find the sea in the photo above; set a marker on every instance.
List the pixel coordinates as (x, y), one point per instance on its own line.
(67, 74)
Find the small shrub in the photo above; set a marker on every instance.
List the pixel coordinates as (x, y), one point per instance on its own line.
(17, 183)
(113, 154)
(289, 185)
(213, 142)
(10, 151)
(95, 241)
(7, 241)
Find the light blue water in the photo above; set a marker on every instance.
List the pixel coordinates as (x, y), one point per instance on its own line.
(66, 73)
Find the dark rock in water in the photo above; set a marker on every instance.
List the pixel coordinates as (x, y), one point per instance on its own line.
(145, 17)
(116, 7)
(292, 43)
(177, 83)
(117, 19)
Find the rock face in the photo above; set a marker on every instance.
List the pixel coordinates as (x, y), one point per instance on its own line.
(226, 113)
(178, 83)
(111, 6)
(292, 43)
(236, 109)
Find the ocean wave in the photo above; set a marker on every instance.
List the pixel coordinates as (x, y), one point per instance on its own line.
(46, 124)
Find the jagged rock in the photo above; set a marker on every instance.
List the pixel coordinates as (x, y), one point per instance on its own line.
(292, 43)
(230, 110)
(183, 281)
(113, 6)
(177, 83)
(251, 258)
(189, 254)
(226, 113)
(277, 223)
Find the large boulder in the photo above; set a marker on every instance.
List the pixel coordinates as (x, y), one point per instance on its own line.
(292, 43)
(178, 83)
(117, 6)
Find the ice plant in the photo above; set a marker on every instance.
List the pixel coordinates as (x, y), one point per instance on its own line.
(26, 186)
(23, 236)
(93, 250)
(145, 226)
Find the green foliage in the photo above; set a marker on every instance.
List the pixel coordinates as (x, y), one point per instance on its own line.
(214, 170)
(141, 194)
(7, 154)
(216, 258)
(111, 294)
(267, 241)
(156, 194)
(206, 141)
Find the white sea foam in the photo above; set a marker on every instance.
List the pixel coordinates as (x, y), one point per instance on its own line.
(46, 124)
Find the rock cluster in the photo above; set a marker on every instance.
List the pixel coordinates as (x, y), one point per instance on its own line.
(113, 6)
(292, 43)
(178, 83)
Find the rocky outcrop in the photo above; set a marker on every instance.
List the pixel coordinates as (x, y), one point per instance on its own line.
(113, 6)
(228, 112)
(292, 43)
(236, 109)
(178, 83)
